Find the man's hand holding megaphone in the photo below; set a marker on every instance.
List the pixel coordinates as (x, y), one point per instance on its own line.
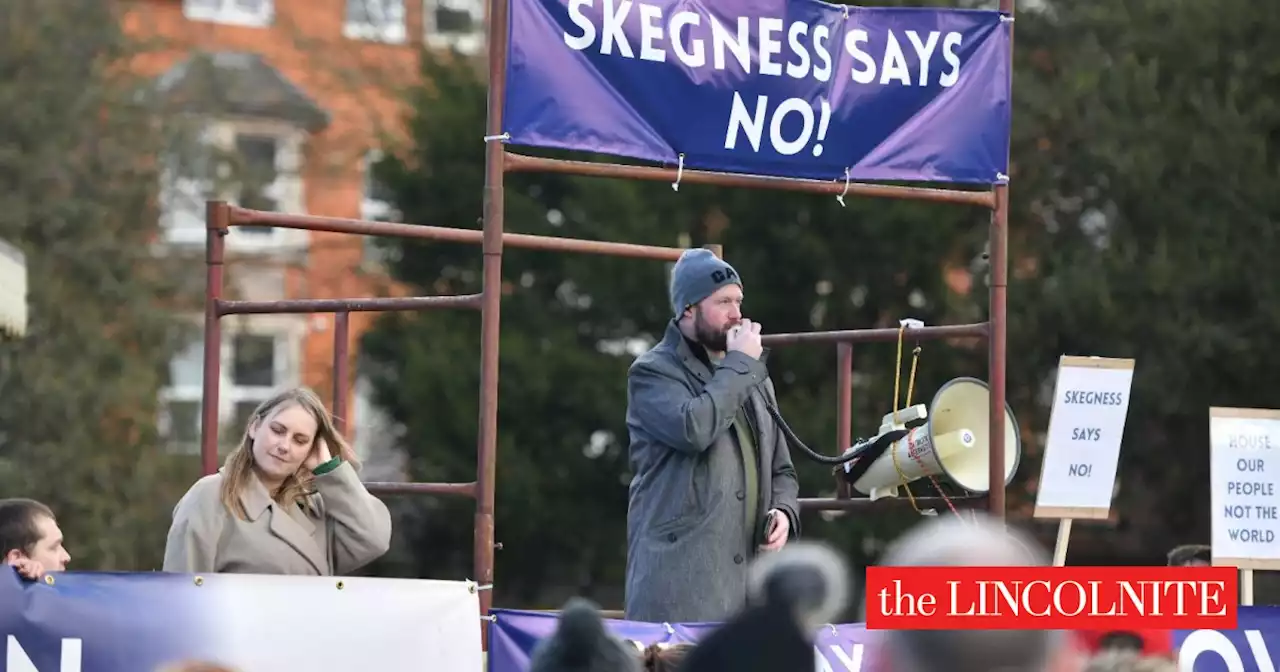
(745, 338)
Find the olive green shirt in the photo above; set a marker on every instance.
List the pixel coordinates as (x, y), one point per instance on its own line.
(750, 469)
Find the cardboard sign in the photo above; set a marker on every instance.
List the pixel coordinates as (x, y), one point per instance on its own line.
(1244, 462)
(1090, 404)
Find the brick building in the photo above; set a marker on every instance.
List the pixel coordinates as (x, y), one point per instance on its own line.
(296, 95)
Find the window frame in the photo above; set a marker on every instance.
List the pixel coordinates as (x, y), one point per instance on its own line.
(230, 12)
(392, 31)
(287, 334)
(470, 43)
(373, 209)
(183, 222)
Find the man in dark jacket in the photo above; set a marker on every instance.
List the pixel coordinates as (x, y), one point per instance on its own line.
(714, 483)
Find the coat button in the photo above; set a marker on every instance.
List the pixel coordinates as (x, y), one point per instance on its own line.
(737, 559)
(671, 536)
(741, 495)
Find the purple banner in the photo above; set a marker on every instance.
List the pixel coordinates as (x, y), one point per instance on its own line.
(513, 635)
(789, 88)
(846, 648)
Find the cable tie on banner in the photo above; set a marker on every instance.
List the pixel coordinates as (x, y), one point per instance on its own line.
(1001, 178)
(491, 618)
(473, 587)
(846, 11)
(846, 188)
(1005, 18)
(675, 186)
(501, 137)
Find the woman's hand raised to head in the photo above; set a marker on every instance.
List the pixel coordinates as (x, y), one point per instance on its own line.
(319, 454)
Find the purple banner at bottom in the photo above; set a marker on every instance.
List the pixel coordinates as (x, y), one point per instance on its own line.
(514, 634)
(846, 648)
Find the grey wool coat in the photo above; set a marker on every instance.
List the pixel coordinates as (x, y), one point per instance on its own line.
(687, 546)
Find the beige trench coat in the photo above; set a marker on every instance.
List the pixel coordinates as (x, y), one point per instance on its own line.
(350, 529)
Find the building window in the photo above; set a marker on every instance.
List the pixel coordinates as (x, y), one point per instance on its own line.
(381, 20)
(257, 13)
(255, 370)
(376, 197)
(187, 181)
(376, 204)
(257, 176)
(180, 399)
(253, 360)
(253, 165)
(255, 365)
(457, 24)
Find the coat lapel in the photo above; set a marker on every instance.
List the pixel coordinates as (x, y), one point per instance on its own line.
(296, 530)
(691, 361)
(286, 522)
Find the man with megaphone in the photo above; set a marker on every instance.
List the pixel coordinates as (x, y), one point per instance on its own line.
(714, 484)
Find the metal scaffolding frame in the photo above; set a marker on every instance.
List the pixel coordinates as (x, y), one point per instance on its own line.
(221, 217)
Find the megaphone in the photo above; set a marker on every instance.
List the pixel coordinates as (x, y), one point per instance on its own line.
(954, 442)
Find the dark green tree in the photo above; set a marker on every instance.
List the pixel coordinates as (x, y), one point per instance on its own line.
(1145, 212)
(78, 416)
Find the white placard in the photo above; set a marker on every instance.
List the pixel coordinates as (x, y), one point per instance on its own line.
(1244, 477)
(1090, 404)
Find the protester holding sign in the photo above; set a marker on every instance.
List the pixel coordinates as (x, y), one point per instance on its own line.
(287, 501)
(714, 483)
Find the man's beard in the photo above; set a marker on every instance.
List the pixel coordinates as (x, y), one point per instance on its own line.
(708, 337)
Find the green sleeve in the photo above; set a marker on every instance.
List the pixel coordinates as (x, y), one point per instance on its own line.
(327, 467)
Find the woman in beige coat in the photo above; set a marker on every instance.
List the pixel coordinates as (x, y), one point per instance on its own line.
(287, 501)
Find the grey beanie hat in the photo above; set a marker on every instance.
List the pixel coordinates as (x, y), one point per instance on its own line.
(697, 275)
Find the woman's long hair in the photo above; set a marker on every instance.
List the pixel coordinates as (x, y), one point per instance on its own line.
(297, 488)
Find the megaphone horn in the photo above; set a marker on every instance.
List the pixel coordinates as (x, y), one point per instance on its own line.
(955, 442)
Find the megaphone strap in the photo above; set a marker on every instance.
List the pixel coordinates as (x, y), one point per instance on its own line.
(897, 372)
(911, 385)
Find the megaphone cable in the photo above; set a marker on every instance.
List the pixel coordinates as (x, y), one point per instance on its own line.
(863, 446)
(873, 446)
(878, 444)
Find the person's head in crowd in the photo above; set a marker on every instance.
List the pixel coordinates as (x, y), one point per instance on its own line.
(792, 592)
(1129, 661)
(281, 434)
(706, 295)
(582, 643)
(952, 541)
(1141, 642)
(1191, 555)
(664, 657)
(30, 538)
